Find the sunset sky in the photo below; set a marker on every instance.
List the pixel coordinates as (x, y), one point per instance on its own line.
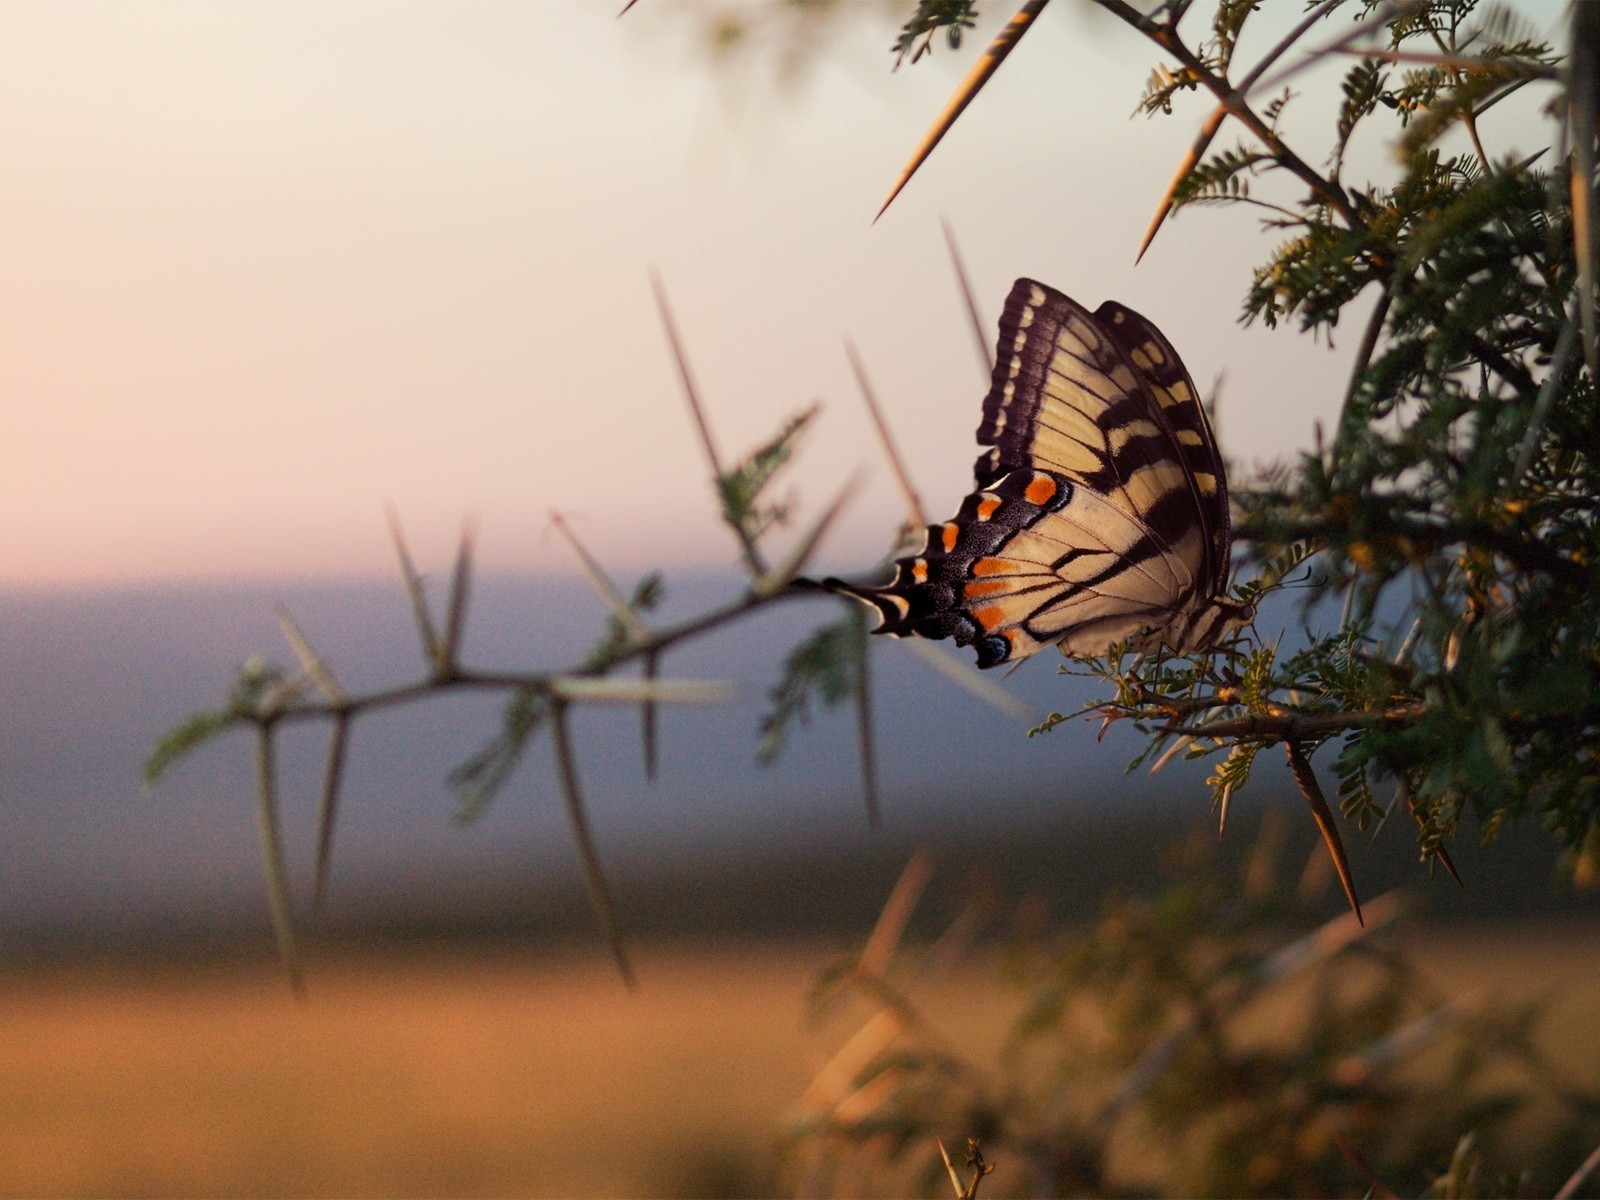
(267, 267)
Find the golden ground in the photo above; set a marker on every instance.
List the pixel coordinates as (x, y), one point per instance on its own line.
(491, 1074)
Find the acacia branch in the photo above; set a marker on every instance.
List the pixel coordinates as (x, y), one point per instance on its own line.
(1166, 36)
(1297, 727)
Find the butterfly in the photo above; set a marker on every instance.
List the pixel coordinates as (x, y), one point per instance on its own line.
(1101, 509)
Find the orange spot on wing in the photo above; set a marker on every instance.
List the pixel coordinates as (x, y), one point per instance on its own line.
(989, 617)
(948, 538)
(991, 587)
(986, 507)
(919, 570)
(991, 566)
(1041, 491)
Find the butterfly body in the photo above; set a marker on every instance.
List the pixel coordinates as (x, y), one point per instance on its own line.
(1101, 513)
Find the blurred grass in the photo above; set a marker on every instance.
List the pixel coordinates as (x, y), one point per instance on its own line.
(483, 1071)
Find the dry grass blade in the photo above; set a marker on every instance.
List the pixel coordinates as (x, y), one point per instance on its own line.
(272, 862)
(1320, 945)
(1307, 779)
(979, 333)
(1569, 1189)
(1585, 94)
(647, 718)
(310, 661)
(781, 576)
(988, 62)
(599, 580)
(914, 510)
(594, 876)
(328, 803)
(455, 619)
(1191, 160)
(418, 598)
(865, 745)
(891, 924)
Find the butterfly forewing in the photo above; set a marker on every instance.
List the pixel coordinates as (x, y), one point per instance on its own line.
(1164, 373)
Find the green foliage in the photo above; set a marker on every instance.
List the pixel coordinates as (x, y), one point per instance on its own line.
(259, 691)
(621, 632)
(1210, 1039)
(952, 16)
(827, 667)
(1457, 509)
(479, 780)
(742, 488)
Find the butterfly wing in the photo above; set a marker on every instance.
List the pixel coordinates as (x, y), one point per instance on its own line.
(1164, 374)
(1085, 527)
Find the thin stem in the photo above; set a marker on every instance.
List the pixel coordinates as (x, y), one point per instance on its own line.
(272, 862)
(593, 873)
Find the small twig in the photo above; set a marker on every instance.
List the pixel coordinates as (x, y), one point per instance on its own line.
(272, 862)
(328, 803)
(1290, 726)
(865, 743)
(979, 333)
(980, 1168)
(647, 718)
(594, 875)
(914, 510)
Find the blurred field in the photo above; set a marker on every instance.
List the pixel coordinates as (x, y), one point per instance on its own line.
(480, 1072)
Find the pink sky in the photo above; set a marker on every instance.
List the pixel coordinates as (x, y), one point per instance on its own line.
(266, 267)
